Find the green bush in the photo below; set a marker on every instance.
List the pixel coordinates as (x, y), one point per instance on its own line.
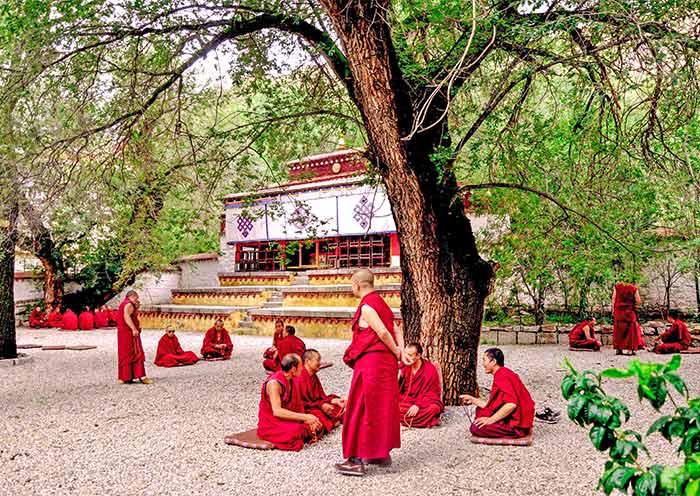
(590, 407)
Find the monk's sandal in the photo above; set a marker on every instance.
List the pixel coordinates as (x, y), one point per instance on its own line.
(350, 468)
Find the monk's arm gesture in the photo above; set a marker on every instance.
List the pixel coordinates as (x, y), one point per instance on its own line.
(128, 309)
(274, 391)
(468, 399)
(612, 305)
(502, 413)
(587, 332)
(371, 316)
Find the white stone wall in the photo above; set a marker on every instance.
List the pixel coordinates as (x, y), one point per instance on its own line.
(28, 289)
(199, 274)
(153, 289)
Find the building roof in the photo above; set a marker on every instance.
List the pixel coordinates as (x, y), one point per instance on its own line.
(299, 186)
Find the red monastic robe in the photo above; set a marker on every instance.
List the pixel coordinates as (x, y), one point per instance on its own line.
(37, 318)
(507, 388)
(113, 317)
(101, 319)
(422, 389)
(675, 339)
(625, 330)
(288, 435)
(577, 338)
(171, 354)
(313, 396)
(70, 321)
(86, 321)
(55, 319)
(372, 425)
(286, 345)
(211, 338)
(131, 358)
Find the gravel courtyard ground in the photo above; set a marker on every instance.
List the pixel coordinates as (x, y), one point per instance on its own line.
(67, 427)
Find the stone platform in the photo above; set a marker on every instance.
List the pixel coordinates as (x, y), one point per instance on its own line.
(189, 317)
(334, 295)
(256, 278)
(241, 296)
(382, 275)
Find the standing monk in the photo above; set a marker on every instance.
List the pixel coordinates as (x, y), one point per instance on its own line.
(170, 353)
(281, 417)
(217, 342)
(509, 412)
(37, 318)
(676, 338)
(371, 426)
(131, 357)
(625, 299)
(420, 390)
(583, 337)
(55, 318)
(328, 408)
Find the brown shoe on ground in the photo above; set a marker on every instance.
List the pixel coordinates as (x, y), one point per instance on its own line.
(124, 382)
(146, 380)
(350, 468)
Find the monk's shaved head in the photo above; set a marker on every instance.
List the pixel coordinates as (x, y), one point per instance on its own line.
(364, 278)
(310, 354)
(131, 293)
(290, 361)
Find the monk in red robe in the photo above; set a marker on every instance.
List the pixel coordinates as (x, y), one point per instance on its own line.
(112, 316)
(328, 408)
(509, 412)
(101, 317)
(170, 353)
(372, 425)
(281, 417)
(55, 319)
(37, 318)
(86, 320)
(626, 332)
(288, 343)
(583, 336)
(70, 321)
(217, 342)
(420, 390)
(131, 358)
(676, 338)
(271, 361)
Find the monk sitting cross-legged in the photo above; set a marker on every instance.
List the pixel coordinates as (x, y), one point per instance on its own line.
(70, 321)
(101, 317)
(328, 408)
(55, 319)
(37, 318)
(583, 337)
(676, 338)
(281, 417)
(509, 412)
(170, 353)
(289, 343)
(420, 398)
(217, 342)
(86, 320)
(271, 359)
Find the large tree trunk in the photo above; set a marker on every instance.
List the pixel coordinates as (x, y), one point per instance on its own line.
(8, 233)
(445, 282)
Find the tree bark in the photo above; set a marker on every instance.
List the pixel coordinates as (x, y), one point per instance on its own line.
(445, 282)
(8, 234)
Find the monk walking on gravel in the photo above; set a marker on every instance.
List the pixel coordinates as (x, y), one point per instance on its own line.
(371, 426)
(131, 357)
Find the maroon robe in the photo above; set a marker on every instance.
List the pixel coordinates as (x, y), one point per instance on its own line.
(212, 338)
(285, 345)
(86, 321)
(372, 425)
(625, 331)
(578, 339)
(113, 317)
(130, 355)
(37, 318)
(70, 321)
(424, 390)
(313, 397)
(676, 339)
(55, 319)
(288, 435)
(101, 319)
(171, 354)
(507, 388)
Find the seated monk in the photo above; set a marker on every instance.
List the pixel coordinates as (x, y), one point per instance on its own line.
(86, 320)
(509, 412)
(289, 343)
(281, 417)
(582, 336)
(675, 339)
(328, 408)
(55, 319)
(101, 317)
(170, 353)
(271, 357)
(70, 321)
(112, 316)
(420, 391)
(217, 342)
(37, 318)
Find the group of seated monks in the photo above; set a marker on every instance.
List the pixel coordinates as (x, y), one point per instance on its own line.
(295, 409)
(87, 320)
(217, 345)
(674, 340)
